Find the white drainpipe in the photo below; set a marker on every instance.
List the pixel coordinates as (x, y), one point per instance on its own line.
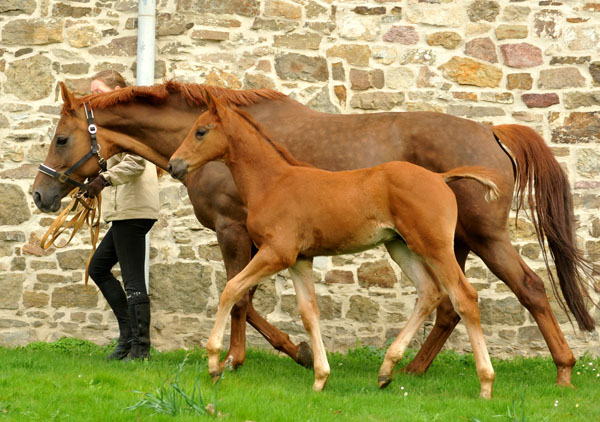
(145, 76)
(145, 42)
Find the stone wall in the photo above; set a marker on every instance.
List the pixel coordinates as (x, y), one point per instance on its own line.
(529, 62)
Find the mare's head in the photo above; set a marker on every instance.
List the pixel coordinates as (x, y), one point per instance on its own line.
(206, 141)
(65, 166)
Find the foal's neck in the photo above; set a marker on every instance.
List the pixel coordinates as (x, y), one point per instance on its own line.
(256, 165)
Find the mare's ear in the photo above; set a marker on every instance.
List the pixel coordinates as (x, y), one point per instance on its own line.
(68, 98)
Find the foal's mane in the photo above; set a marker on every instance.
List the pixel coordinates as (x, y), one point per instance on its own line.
(280, 149)
(196, 95)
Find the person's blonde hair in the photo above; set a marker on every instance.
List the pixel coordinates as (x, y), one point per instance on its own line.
(111, 78)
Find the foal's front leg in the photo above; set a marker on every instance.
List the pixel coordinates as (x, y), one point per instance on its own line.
(264, 264)
(302, 277)
(236, 248)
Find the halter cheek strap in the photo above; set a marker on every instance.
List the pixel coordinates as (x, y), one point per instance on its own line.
(64, 177)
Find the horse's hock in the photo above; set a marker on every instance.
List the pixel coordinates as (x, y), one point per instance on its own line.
(533, 63)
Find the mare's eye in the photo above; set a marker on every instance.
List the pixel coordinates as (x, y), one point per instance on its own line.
(61, 140)
(201, 131)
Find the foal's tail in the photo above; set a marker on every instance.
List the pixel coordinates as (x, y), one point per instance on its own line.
(540, 176)
(480, 174)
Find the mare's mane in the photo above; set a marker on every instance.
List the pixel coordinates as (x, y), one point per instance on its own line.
(196, 95)
(280, 149)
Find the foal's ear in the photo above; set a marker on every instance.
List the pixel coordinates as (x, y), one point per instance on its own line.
(68, 98)
(212, 103)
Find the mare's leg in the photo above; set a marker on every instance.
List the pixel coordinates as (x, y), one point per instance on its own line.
(504, 261)
(301, 353)
(236, 248)
(446, 319)
(429, 296)
(302, 277)
(464, 299)
(264, 264)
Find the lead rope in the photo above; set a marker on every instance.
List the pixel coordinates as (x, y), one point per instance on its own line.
(86, 211)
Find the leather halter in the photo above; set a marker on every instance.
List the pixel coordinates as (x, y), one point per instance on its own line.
(64, 177)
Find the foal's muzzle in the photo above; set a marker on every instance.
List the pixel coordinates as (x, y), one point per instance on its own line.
(177, 168)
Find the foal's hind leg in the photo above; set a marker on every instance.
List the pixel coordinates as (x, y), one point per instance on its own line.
(446, 319)
(502, 259)
(429, 296)
(464, 299)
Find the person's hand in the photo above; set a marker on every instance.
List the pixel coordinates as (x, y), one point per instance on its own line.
(96, 185)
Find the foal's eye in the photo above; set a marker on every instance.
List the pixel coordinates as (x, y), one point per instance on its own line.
(201, 131)
(61, 140)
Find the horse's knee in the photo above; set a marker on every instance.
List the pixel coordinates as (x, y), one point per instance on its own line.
(465, 302)
(446, 317)
(241, 305)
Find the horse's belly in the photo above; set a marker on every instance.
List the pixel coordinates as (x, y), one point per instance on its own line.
(360, 240)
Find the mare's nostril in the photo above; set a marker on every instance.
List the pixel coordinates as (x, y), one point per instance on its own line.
(37, 198)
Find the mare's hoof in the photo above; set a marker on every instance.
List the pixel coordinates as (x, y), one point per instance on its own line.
(566, 385)
(384, 381)
(413, 370)
(229, 364)
(305, 356)
(215, 376)
(563, 377)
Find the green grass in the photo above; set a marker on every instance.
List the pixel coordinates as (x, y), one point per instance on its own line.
(71, 380)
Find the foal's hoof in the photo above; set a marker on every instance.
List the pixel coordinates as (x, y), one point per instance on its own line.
(216, 376)
(384, 381)
(305, 356)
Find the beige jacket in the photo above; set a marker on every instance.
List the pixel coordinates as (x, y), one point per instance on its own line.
(134, 189)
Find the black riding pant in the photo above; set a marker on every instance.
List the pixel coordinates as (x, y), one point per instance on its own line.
(125, 243)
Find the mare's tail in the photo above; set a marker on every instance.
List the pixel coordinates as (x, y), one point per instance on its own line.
(480, 174)
(540, 176)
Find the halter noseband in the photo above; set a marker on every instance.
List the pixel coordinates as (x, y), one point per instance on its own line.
(64, 177)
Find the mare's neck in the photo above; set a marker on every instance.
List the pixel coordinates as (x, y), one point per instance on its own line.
(153, 132)
(255, 165)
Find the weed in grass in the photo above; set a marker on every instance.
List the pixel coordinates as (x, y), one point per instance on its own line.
(172, 398)
(67, 345)
(513, 414)
(516, 412)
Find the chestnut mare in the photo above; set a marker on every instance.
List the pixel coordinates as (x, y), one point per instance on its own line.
(152, 122)
(297, 212)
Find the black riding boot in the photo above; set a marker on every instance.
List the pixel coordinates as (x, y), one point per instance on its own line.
(115, 296)
(139, 314)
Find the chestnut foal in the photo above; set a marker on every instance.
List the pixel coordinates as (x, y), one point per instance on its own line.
(296, 212)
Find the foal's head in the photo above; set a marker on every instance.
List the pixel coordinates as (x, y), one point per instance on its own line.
(206, 141)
